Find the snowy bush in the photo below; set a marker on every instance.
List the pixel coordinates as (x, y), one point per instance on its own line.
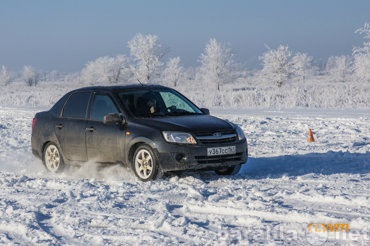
(318, 92)
(315, 95)
(30, 76)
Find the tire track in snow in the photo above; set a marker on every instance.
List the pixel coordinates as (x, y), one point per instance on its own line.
(292, 183)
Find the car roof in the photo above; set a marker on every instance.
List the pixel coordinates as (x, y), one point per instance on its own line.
(121, 87)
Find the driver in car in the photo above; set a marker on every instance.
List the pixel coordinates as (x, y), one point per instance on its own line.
(147, 105)
(152, 105)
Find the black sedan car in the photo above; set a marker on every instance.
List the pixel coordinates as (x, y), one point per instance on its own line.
(151, 128)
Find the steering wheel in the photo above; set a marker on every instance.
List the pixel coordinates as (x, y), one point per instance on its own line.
(171, 109)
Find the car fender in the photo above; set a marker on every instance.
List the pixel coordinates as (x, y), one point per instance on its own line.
(53, 139)
(47, 135)
(134, 141)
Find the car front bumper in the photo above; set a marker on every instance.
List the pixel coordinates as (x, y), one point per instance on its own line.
(174, 157)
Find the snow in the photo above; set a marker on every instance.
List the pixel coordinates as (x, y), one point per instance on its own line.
(286, 185)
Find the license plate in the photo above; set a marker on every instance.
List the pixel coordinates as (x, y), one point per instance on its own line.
(229, 150)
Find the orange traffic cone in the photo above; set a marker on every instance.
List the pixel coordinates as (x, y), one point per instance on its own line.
(310, 136)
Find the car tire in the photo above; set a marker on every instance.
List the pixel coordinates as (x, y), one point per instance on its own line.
(145, 164)
(228, 170)
(52, 158)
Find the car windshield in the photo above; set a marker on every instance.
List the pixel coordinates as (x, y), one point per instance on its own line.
(157, 103)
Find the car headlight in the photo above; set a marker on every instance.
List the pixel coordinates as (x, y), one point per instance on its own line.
(240, 133)
(179, 137)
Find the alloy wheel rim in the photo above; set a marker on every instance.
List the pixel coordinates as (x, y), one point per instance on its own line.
(144, 164)
(52, 158)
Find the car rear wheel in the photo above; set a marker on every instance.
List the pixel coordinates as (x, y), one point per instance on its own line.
(52, 159)
(228, 170)
(145, 163)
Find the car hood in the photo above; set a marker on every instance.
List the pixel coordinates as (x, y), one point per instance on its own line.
(188, 123)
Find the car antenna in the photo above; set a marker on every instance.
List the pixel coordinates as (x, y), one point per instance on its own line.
(138, 80)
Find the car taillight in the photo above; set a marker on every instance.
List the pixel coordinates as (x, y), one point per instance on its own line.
(33, 123)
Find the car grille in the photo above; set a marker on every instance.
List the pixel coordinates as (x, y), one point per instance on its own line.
(218, 158)
(216, 137)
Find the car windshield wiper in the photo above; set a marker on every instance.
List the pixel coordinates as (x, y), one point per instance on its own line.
(166, 114)
(182, 113)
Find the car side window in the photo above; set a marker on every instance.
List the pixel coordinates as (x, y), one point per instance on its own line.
(101, 106)
(76, 105)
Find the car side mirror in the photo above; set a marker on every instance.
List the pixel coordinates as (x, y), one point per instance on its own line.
(205, 111)
(114, 118)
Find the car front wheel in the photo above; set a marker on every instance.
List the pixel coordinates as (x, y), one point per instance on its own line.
(52, 158)
(145, 163)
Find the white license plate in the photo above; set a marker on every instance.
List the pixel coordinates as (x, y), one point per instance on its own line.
(229, 150)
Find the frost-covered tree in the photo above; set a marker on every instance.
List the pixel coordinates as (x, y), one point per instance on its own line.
(30, 76)
(301, 66)
(173, 72)
(365, 31)
(338, 68)
(276, 65)
(361, 55)
(147, 54)
(217, 65)
(4, 76)
(361, 65)
(105, 70)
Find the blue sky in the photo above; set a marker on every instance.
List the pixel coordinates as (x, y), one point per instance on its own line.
(64, 35)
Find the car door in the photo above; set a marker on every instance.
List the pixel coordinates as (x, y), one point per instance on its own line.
(71, 127)
(104, 142)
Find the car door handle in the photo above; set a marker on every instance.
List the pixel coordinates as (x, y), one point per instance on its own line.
(59, 126)
(90, 129)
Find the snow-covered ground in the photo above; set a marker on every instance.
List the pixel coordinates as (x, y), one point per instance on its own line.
(288, 190)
